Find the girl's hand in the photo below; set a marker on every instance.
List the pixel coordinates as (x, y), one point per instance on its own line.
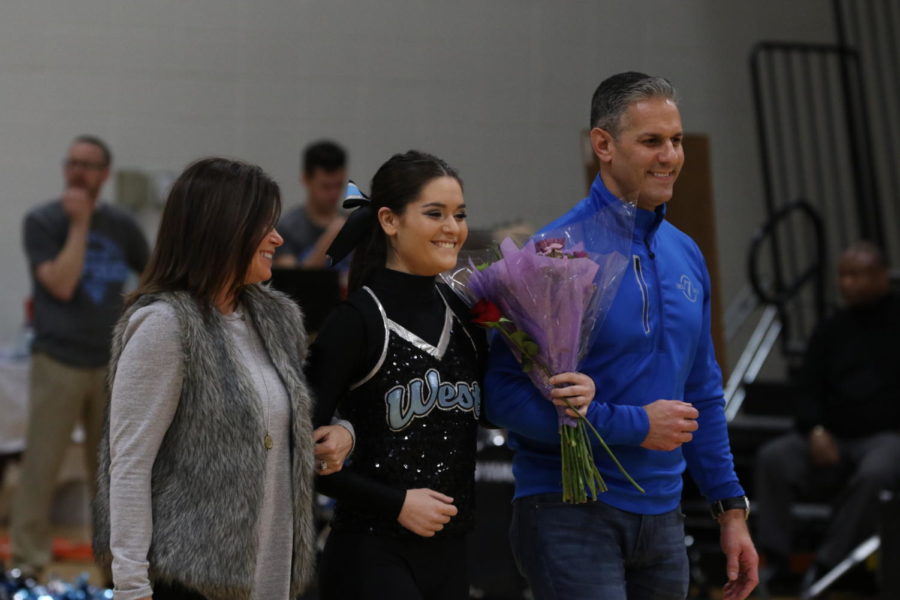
(425, 512)
(577, 388)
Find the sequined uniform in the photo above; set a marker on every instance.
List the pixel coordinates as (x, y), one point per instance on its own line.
(406, 371)
(415, 417)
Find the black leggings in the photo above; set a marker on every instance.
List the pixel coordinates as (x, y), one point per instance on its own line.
(370, 567)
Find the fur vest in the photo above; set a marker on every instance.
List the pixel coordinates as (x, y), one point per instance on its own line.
(207, 480)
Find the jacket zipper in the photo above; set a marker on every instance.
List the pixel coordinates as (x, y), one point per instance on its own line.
(645, 293)
(660, 323)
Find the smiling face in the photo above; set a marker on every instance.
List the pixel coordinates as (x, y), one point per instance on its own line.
(260, 268)
(643, 161)
(426, 238)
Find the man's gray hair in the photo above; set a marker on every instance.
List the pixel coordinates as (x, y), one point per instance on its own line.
(614, 95)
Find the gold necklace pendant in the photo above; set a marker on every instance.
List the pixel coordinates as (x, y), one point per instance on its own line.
(267, 441)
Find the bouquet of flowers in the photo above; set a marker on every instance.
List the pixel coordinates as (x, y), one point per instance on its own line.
(546, 299)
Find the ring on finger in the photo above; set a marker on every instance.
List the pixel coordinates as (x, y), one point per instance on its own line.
(323, 465)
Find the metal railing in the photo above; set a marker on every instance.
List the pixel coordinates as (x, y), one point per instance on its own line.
(870, 27)
(751, 360)
(788, 296)
(784, 300)
(812, 123)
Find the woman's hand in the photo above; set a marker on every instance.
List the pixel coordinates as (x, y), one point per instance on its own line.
(333, 444)
(577, 388)
(425, 512)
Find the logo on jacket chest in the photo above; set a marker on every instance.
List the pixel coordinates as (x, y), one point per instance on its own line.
(688, 288)
(419, 397)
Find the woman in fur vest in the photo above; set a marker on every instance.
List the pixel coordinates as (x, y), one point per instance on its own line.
(206, 470)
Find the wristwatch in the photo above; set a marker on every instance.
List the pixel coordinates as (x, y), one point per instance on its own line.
(720, 506)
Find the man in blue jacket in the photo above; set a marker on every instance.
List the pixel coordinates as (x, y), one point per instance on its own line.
(659, 401)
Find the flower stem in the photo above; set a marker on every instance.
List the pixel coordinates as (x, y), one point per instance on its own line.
(582, 420)
(578, 466)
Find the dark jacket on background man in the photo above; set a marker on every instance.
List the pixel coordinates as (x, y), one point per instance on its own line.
(851, 375)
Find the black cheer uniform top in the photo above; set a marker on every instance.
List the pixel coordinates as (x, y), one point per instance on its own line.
(410, 382)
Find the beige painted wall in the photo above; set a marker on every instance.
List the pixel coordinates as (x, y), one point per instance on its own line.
(500, 88)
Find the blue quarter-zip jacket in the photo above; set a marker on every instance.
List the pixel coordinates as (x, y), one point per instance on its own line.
(654, 344)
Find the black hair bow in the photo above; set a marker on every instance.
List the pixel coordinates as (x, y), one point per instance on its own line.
(357, 225)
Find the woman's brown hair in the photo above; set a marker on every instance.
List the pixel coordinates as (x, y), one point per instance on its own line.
(215, 217)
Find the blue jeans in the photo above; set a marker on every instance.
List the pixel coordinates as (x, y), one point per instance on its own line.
(593, 551)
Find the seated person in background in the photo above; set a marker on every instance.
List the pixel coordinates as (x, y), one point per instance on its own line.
(846, 446)
(309, 229)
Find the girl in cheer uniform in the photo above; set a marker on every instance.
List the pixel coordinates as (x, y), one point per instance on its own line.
(403, 364)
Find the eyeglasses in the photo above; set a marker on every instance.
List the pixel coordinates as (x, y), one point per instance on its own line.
(74, 163)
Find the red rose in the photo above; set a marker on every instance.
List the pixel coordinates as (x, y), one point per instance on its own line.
(485, 312)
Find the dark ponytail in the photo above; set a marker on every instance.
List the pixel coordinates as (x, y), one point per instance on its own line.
(397, 183)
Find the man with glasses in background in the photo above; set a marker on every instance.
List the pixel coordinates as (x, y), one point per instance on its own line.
(80, 254)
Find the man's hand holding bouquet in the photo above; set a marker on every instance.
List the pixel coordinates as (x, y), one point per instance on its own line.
(545, 300)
